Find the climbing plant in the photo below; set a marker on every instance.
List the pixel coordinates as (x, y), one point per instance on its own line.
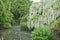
(46, 13)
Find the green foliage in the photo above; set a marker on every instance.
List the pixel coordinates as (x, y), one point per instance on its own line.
(6, 16)
(57, 8)
(23, 26)
(35, 8)
(46, 10)
(42, 34)
(7, 25)
(22, 7)
(56, 23)
(10, 9)
(57, 2)
(35, 19)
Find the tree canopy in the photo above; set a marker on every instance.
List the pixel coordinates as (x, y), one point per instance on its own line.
(11, 8)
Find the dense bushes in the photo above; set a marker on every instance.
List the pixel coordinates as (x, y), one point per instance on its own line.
(6, 16)
(10, 7)
(42, 34)
(56, 23)
(20, 8)
(23, 26)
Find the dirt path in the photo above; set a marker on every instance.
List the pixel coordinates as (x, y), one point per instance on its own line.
(14, 34)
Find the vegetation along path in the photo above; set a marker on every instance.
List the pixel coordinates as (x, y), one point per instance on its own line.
(14, 34)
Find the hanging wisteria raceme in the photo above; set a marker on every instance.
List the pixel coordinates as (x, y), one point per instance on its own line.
(43, 13)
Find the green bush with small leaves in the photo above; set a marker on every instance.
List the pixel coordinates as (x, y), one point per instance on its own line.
(23, 26)
(7, 25)
(42, 34)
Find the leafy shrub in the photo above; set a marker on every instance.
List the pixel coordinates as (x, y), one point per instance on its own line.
(10, 7)
(42, 34)
(23, 26)
(56, 23)
(6, 16)
(35, 20)
(7, 25)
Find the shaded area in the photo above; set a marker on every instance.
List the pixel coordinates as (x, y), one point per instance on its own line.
(14, 34)
(56, 36)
